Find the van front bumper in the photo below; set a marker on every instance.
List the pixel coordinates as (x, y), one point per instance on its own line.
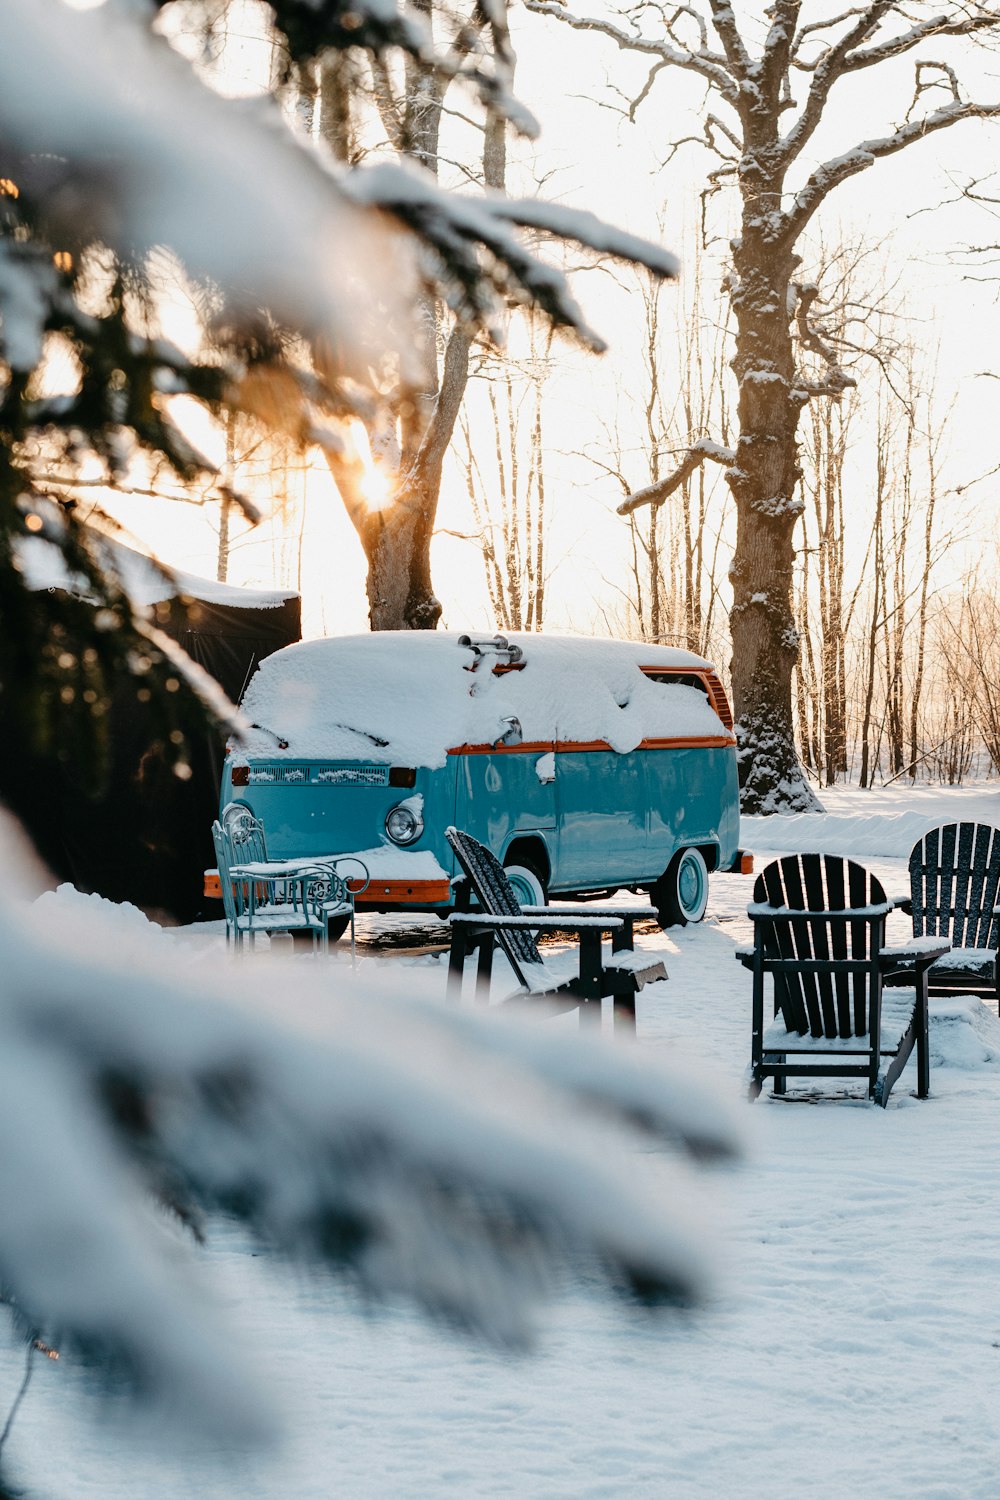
(378, 895)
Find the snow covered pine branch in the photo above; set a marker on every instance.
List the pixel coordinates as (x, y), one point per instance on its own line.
(456, 1160)
(765, 103)
(122, 169)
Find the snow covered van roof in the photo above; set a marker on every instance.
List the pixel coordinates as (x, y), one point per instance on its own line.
(407, 697)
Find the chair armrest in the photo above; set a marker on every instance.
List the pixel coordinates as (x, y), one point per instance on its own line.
(269, 869)
(903, 903)
(918, 954)
(745, 957)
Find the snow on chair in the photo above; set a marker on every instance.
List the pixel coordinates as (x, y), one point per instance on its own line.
(255, 903)
(954, 892)
(501, 917)
(329, 887)
(819, 932)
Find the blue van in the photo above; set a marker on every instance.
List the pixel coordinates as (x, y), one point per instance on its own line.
(586, 765)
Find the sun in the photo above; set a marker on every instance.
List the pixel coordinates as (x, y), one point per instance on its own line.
(375, 486)
(372, 480)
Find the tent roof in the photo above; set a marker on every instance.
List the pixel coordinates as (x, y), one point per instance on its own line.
(44, 567)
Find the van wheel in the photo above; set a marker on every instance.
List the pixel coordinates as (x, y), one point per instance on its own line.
(529, 887)
(681, 894)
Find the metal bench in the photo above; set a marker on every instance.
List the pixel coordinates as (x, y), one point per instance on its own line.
(334, 890)
(255, 902)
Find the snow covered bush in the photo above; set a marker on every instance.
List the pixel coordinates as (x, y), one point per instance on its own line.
(457, 1160)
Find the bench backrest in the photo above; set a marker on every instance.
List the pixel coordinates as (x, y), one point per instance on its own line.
(245, 834)
(495, 895)
(819, 922)
(232, 896)
(954, 876)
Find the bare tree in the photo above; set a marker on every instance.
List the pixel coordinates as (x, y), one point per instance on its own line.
(772, 99)
(508, 496)
(672, 588)
(826, 603)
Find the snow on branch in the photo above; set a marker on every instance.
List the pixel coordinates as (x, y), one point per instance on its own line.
(174, 172)
(724, 21)
(964, 19)
(848, 54)
(827, 176)
(457, 1160)
(837, 379)
(655, 494)
(462, 228)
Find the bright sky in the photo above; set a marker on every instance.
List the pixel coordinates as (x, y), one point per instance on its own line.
(596, 159)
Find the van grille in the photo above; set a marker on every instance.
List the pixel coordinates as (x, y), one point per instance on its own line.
(320, 775)
(295, 774)
(351, 775)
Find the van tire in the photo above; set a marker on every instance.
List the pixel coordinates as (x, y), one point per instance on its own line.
(529, 887)
(681, 894)
(336, 927)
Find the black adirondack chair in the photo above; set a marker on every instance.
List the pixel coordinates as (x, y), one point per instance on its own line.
(500, 917)
(954, 886)
(819, 931)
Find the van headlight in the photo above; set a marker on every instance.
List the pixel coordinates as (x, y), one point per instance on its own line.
(403, 823)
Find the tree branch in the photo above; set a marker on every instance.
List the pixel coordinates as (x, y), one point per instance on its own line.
(810, 338)
(828, 68)
(655, 494)
(454, 377)
(862, 156)
(737, 55)
(710, 65)
(936, 26)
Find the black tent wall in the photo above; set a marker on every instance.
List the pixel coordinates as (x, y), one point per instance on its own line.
(148, 839)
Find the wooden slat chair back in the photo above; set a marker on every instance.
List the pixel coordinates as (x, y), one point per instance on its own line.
(501, 917)
(497, 897)
(820, 933)
(954, 889)
(812, 994)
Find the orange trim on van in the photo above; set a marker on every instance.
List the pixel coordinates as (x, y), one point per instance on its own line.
(583, 747)
(527, 747)
(405, 893)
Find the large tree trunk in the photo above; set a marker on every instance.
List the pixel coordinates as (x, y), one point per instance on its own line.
(763, 482)
(396, 541)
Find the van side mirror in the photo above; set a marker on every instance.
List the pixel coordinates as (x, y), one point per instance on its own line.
(512, 735)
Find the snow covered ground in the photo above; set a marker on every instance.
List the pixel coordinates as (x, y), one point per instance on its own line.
(853, 1342)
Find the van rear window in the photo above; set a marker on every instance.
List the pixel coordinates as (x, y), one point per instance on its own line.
(706, 682)
(679, 679)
